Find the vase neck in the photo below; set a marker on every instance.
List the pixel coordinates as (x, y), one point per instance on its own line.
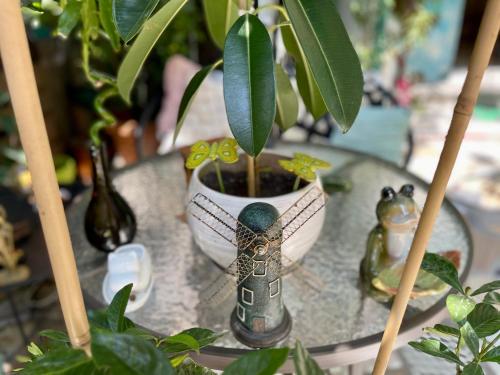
(100, 167)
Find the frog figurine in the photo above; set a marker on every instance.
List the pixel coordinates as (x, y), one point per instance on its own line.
(390, 240)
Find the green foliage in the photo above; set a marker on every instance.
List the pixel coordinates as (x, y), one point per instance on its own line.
(115, 313)
(477, 321)
(331, 56)
(249, 85)
(259, 362)
(304, 364)
(130, 15)
(220, 16)
(69, 18)
(287, 104)
(143, 44)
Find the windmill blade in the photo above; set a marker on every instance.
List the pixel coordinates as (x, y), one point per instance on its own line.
(237, 272)
(301, 211)
(220, 221)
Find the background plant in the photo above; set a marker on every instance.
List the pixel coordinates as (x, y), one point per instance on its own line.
(476, 317)
(119, 347)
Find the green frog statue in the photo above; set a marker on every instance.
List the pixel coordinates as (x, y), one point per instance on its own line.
(389, 243)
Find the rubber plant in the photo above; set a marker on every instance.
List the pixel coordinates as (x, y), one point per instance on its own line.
(476, 318)
(119, 347)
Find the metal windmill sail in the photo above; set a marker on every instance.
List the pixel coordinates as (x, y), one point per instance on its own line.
(242, 237)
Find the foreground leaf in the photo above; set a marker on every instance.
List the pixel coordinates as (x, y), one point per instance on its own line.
(183, 339)
(249, 86)
(306, 83)
(130, 15)
(485, 320)
(287, 105)
(60, 361)
(304, 364)
(116, 309)
(331, 56)
(220, 15)
(190, 94)
(445, 330)
(69, 18)
(494, 285)
(472, 369)
(142, 46)
(470, 338)
(128, 355)
(106, 17)
(258, 362)
(204, 337)
(492, 298)
(492, 356)
(459, 306)
(54, 335)
(441, 267)
(435, 348)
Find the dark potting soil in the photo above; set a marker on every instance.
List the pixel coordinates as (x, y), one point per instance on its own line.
(271, 183)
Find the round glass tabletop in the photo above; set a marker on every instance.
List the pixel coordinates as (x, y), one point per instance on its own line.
(339, 326)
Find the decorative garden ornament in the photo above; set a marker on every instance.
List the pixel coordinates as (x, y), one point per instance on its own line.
(109, 221)
(259, 319)
(9, 255)
(388, 246)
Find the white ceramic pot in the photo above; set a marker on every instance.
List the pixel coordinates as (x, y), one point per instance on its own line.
(223, 252)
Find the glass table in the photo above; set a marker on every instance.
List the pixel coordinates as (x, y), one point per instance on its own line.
(340, 326)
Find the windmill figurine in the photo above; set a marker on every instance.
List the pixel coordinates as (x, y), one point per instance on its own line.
(260, 318)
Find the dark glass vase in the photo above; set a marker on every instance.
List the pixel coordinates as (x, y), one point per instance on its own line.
(109, 221)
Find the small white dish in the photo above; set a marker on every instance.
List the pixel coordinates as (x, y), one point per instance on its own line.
(129, 264)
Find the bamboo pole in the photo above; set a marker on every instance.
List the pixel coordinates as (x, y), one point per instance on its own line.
(29, 117)
(483, 47)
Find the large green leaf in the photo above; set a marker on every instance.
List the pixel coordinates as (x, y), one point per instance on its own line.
(142, 46)
(203, 336)
(435, 348)
(128, 355)
(492, 356)
(485, 320)
(130, 15)
(494, 285)
(220, 16)
(308, 88)
(258, 362)
(116, 309)
(63, 361)
(304, 363)
(472, 368)
(69, 18)
(249, 86)
(183, 339)
(190, 94)
(492, 298)
(441, 267)
(106, 17)
(459, 306)
(331, 56)
(287, 105)
(470, 338)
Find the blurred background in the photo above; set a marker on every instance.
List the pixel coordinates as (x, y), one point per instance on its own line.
(414, 55)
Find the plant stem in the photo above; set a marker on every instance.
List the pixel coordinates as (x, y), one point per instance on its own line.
(257, 176)
(251, 176)
(296, 183)
(457, 352)
(219, 176)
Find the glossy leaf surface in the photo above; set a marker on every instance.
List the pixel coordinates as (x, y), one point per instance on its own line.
(494, 285)
(65, 361)
(304, 364)
(249, 86)
(485, 320)
(441, 267)
(470, 338)
(435, 348)
(493, 355)
(331, 56)
(220, 15)
(130, 15)
(459, 306)
(106, 17)
(258, 362)
(473, 369)
(69, 18)
(144, 43)
(116, 309)
(287, 105)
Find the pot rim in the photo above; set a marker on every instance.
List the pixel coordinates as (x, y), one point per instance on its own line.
(301, 191)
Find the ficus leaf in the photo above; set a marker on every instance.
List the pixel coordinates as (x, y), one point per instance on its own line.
(441, 267)
(249, 85)
(459, 306)
(130, 15)
(262, 362)
(331, 56)
(435, 348)
(220, 15)
(143, 44)
(69, 18)
(306, 82)
(106, 17)
(287, 105)
(202, 336)
(190, 94)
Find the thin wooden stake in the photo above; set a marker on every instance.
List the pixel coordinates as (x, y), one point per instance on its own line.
(480, 58)
(29, 117)
(251, 176)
